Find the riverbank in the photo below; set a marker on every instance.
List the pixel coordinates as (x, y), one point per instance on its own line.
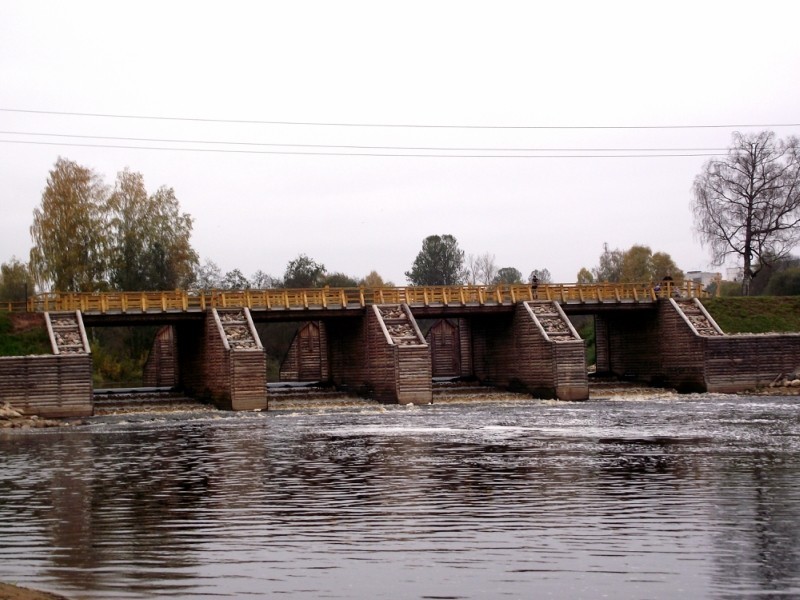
(14, 592)
(10, 417)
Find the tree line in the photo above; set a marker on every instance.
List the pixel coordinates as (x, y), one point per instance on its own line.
(88, 236)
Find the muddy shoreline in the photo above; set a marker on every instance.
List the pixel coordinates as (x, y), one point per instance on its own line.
(15, 592)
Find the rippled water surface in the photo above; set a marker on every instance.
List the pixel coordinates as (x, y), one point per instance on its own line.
(672, 497)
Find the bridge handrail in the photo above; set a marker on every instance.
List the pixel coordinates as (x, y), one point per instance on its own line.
(343, 298)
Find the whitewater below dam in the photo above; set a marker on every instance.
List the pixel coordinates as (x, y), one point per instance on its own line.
(653, 496)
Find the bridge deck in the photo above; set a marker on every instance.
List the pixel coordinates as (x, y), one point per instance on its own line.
(432, 298)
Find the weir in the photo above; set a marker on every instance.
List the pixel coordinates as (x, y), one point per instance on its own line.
(370, 342)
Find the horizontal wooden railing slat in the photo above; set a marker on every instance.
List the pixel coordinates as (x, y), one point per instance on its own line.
(343, 298)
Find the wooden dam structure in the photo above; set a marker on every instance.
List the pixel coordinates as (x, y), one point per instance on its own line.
(370, 342)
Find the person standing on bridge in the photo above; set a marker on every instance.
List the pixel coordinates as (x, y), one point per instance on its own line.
(534, 287)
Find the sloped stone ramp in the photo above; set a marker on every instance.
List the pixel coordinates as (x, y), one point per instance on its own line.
(67, 333)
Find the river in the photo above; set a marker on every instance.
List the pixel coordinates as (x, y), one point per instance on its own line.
(659, 496)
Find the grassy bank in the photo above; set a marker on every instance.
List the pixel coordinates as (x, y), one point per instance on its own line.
(21, 334)
(760, 314)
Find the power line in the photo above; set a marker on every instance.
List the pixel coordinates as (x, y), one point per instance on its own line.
(375, 154)
(355, 147)
(389, 125)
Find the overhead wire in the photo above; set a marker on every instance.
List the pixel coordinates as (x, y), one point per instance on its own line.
(316, 149)
(353, 146)
(387, 125)
(374, 154)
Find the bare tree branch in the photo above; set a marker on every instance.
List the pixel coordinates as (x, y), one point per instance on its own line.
(748, 205)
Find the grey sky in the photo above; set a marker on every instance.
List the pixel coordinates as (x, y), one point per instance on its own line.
(412, 63)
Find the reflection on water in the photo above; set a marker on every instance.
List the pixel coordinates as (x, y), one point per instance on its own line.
(676, 497)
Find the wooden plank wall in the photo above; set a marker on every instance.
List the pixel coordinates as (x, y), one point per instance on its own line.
(232, 379)
(190, 344)
(380, 367)
(572, 378)
(348, 354)
(533, 361)
(743, 362)
(656, 347)
(444, 342)
(548, 368)
(290, 365)
(363, 360)
(634, 345)
(307, 357)
(216, 368)
(681, 352)
(602, 360)
(48, 385)
(248, 377)
(492, 348)
(413, 374)
(325, 367)
(730, 363)
(511, 352)
(465, 347)
(161, 368)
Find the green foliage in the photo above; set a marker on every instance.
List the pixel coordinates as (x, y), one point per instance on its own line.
(609, 268)
(119, 354)
(762, 282)
(262, 281)
(585, 326)
(440, 262)
(115, 371)
(235, 280)
(277, 338)
(540, 276)
(726, 289)
(16, 283)
(23, 343)
(303, 272)
(584, 276)
(636, 265)
(661, 266)
(86, 239)
(373, 280)
(207, 276)
(755, 314)
(508, 276)
(785, 283)
(149, 246)
(339, 280)
(69, 231)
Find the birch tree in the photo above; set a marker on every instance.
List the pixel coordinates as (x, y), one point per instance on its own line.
(747, 205)
(149, 246)
(69, 251)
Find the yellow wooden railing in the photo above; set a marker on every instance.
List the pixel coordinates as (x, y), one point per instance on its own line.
(343, 298)
(13, 306)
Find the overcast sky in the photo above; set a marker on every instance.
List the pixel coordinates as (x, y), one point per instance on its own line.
(565, 81)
